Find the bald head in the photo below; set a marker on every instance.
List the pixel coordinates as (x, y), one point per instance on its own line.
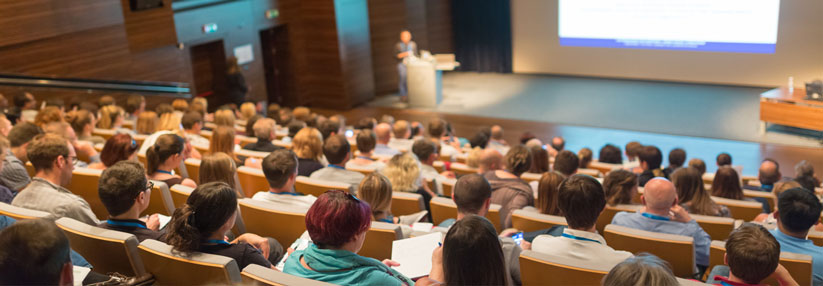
(497, 132)
(490, 160)
(769, 172)
(383, 133)
(659, 194)
(558, 143)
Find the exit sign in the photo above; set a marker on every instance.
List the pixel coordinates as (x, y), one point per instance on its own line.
(209, 28)
(272, 13)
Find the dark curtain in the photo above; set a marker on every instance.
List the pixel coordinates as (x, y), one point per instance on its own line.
(482, 35)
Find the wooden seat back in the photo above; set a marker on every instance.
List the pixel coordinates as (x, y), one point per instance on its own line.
(678, 250)
(172, 268)
(107, 250)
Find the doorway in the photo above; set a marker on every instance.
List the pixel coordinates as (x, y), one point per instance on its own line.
(276, 65)
(208, 64)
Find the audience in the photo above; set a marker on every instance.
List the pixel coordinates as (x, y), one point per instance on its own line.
(402, 133)
(677, 157)
(35, 252)
(752, 255)
(566, 163)
(338, 151)
(610, 154)
(699, 165)
(118, 148)
(540, 160)
(223, 140)
(125, 192)
(280, 168)
(6, 194)
(644, 269)
(265, 132)
(620, 187)
(308, 146)
(14, 175)
(633, 150)
(383, 133)
(146, 123)
(581, 199)
(337, 223)
(509, 191)
(403, 171)
(202, 223)
(365, 146)
(437, 132)
(797, 211)
(224, 117)
(490, 160)
(663, 214)
(85, 149)
(249, 127)
(192, 123)
(376, 190)
(48, 115)
(724, 159)
(82, 121)
(693, 195)
(726, 184)
(558, 143)
(111, 117)
(247, 110)
(470, 255)
(650, 159)
(768, 175)
(52, 159)
(804, 174)
(584, 158)
(163, 157)
(219, 167)
(135, 105)
(547, 187)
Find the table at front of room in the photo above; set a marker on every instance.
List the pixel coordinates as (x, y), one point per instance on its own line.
(780, 106)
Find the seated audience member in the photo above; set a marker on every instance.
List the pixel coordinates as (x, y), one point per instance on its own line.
(51, 156)
(540, 160)
(202, 223)
(48, 115)
(169, 123)
(14, 175)
(557, 144)
(383, 133)
(23, 102)
(111, 117)
(403, 171)
(5, 125)
(273, 111)
(365, 145)
(797, 211)
(698, 164)
(63, 129)
(663, 214)
(337, 224)
(610, 154)
(437, 132)
(163, 157)
(247, 110)
(473, 157)
(644, 269)
(222, 140)
(82, 121)
(293, 127)
(35, 252)
(6, 194)
(105, 100)
(770, 219)
(376, 190)
(125, 192)
(249, 132)
(402, 133)
(726, 184)
(469, 241)
(280, 168)
(650, 159)
(632, 150)
(620, 187)
(490, 160)
(677, 157)
(768, 175)
(224, 117)
(581, 199)
(329, 128)
(120, 147)
(219, 167)
(308, 146)
(480, 140)
(367, 123)
(584, 158)
(693, 195)
(496, 140)
(547, 187)
(135, 105)
(509, 191)
(804, 172)
(724, 159)
(338, 151)
(164, 108)
(180, 106)
(427, 152)
(566, 163)
(192, 122)
(264, 130)
(146, 123)
(752, 255)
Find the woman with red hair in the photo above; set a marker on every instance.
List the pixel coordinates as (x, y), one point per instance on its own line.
(118, 148)
(337, 223)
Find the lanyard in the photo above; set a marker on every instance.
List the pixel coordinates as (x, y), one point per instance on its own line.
(337, 167)
(578, 238)
(126, 223)
(165, 172)
(365, 158)
(654, 216)
(287, 193)
(217, 241)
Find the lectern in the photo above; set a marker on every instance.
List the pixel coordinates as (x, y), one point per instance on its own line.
(425, 79)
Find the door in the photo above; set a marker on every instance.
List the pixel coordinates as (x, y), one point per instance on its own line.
(208, 63)
(276, 65)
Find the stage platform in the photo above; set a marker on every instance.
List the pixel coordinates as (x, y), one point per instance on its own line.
(694, 110)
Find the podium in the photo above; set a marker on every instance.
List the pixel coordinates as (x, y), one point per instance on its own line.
(425, 79)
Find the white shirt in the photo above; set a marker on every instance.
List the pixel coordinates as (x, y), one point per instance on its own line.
(289, 199)
(374, 165)
(401, 144)
(196, 139)
(581, 245)
(150, 141)
(448, 150)
(339, 175)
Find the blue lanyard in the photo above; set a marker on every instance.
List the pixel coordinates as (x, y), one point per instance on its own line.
(217, 241)
(654, 216)
(385, 220)
(578, 238)
(165, 172)
(126, 223)
(287, 193)
(337, 167)
(365, 158)
(724, 283)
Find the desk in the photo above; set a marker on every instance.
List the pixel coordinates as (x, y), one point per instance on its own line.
(779, 106)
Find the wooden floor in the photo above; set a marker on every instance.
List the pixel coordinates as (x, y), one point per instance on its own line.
(747, 154)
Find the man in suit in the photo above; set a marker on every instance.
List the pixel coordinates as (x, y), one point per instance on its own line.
(404, 49)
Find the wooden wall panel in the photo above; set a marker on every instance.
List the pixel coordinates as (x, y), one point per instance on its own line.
(439, 26)
(416, 23)
(386, 19)
(151, 28)
(29, 20)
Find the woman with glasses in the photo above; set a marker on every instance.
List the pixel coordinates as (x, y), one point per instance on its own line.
(163, 157)
(118, 148)
(337, 224)
(202, 223)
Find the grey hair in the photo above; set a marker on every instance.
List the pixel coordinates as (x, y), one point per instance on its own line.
(643, 269)
(804, 168)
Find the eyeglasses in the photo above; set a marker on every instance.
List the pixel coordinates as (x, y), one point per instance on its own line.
(349, 195)
(150, 186)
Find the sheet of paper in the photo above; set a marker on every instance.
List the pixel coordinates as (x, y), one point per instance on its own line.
(412, 218)
(80, 274)
(164, 219)
(422, 226)
(415, 254)
(299, 244)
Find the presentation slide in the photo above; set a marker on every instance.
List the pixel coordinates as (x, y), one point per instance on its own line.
(740, 26)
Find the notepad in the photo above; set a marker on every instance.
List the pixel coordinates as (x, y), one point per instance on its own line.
(164, 220)
(79, 274)
(297, 245)
(415, 254)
